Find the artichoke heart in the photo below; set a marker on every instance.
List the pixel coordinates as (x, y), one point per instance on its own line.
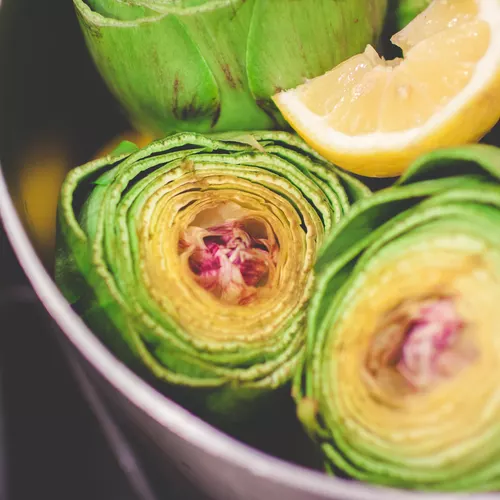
(212, 65)
(400, 380)
(192, 257)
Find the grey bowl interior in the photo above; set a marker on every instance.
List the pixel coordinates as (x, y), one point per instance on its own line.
(55, 113)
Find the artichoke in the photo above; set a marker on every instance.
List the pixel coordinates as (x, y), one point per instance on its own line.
(192, 257)
(400, 381)
(212, 65)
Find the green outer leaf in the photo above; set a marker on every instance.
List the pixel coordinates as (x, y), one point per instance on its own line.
(453, 191)
(407, 10)
(208, 66)
(98, 265)
(124, 147)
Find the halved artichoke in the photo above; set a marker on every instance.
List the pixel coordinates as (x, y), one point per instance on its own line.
(212, 65)
(192, 257)
(401, 381)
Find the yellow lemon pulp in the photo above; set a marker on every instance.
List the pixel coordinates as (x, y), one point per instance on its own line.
(373, 117)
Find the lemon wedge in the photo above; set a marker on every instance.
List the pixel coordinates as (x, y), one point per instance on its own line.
(374, 117)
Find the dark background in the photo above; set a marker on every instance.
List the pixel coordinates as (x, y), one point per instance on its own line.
(50, 444)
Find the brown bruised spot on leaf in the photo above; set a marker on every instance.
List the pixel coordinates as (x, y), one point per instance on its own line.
(229, 76)
(175, 97)
(215, 116)
(271, 111)
(193, 109)
(236, 7)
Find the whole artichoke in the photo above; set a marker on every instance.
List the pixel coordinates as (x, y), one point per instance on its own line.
(400, 384)
(212, 65)
(192, 257)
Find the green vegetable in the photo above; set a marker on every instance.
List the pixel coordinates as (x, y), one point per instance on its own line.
(400, 383)
(212, 65)
(407, 10)
(191, 258)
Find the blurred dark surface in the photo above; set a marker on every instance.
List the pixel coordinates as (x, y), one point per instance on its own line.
(49, 81)
(50, 443)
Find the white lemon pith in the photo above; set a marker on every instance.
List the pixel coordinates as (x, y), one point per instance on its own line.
(374, 117)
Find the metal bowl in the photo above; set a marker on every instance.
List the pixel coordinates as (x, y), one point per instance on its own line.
(55, 113)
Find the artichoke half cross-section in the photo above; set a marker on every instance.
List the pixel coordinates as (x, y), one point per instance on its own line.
(401, 384)
(192, 257)
(212, 65)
